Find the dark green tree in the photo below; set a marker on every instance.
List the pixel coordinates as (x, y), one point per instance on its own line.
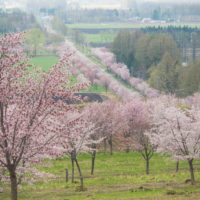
(189, 79)
(159, 45)
(124, 47)
(164, 76)
(143, 60)
(156, 14)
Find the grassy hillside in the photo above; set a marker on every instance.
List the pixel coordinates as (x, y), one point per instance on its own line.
(44, 62)
(118, 177)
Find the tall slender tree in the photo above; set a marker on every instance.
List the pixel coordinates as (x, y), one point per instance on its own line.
(164, 76)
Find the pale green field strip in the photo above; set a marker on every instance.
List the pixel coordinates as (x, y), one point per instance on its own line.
(100, 38)
(126, 25)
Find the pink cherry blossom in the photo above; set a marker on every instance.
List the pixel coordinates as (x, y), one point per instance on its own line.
(30, 102)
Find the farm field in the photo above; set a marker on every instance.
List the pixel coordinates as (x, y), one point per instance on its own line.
(105, 33)
(104, 37)
(117, 177)
(126, 25)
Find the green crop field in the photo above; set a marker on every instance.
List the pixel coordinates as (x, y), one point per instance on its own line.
(125, 25)
(117, 177)
(105, 26)
(104, 37)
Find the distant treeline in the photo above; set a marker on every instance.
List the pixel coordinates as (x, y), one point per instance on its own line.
(170, 29)
(181, 11)
(185, 12)
(95, 15)
(16, 21)
(168, 58)
(183, 35)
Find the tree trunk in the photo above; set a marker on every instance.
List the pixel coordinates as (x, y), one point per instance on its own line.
(106, 87)
(72, 160)
(22, 175)
(80, 174)
(35, 50)
(190, 162)
(104, 146)
(127, 149)
(147, 165)
(66, 175)
(193, 52)
(93, 161)
(111, 145)
(147, 154)
(177, 166)
(13, 180)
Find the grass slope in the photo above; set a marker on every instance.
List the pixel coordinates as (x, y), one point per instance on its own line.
(44, 62)
(118, 177)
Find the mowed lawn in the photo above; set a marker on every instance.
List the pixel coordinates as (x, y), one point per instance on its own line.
(117, 177)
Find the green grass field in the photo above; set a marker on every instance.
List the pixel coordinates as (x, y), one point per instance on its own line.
(101, 37)
(117, 177)
(44, 62)
(125, 25)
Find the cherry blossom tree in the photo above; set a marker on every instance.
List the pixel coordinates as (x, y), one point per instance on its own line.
(193, 100)
(77, 137)
(91, 75)
(92, 115)
(105, 118)
(29, 104)
(121, 71)
(97, 75)
(136, 122)
(176, 130)
(104, 55)
(96, 83)
(105, 80)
